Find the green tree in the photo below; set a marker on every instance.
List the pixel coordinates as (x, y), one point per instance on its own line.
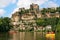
(27, 11)
(40, 22)
(5, 24)
(58, 9)
(44, 11)
(53, 22)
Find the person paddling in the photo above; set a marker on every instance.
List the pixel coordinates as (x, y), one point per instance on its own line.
(50, 35)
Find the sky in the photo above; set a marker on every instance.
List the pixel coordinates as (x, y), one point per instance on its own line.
(8, 7)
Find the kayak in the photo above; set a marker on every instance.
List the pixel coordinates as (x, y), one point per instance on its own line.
(50, 36)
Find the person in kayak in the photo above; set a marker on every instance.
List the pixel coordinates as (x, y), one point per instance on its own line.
(50, 35)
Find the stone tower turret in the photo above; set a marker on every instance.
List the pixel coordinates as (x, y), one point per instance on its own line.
(34, 7)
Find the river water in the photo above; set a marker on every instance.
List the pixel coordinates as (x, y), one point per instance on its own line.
(22, 36)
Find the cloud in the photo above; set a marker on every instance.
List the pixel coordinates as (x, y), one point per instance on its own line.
(13, 1)
(4, 3)
(26, 3)
(50, 4)
(2, 11)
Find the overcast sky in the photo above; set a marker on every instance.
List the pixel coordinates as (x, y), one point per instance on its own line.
(7, 7)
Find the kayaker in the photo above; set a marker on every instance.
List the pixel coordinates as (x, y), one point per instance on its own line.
(50, 35)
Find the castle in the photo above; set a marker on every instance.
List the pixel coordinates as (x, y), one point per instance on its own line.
(26, 18)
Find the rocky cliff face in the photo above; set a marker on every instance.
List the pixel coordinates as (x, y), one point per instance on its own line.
(26, 18)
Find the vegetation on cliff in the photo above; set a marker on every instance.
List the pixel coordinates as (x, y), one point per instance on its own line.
(50, 10)
(48, 21)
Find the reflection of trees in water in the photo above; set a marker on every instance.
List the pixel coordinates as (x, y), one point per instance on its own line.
(22, 36)
(4, 36)
(40, 36)
(32, 36)
(29, 36)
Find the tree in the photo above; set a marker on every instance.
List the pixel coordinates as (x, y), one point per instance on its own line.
(44, 11)
(48, 21)
(5, 24)
(40, 22)
(58, 9)
(52, 11)
(27, 11)
(53, 22)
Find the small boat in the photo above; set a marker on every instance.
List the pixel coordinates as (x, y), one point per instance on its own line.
(50, 35)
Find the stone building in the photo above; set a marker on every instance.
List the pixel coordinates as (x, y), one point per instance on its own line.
(34, 8)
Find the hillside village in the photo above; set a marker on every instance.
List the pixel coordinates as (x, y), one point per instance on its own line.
(25, 19)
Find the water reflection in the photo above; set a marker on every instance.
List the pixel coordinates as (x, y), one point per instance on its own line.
(30, 36)
(4, 36)
(22, 36)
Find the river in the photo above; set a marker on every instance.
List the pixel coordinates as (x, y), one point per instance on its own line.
(22, 36)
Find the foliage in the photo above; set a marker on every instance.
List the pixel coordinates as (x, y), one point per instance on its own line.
(27, 11)
(44, 11)
(58, 9)
(47, 21)
(58, 25)
(40, 22)
(5, 24)
(22, 12)
(50, 10)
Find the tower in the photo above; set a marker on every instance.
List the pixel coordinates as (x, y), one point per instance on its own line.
(34, 8)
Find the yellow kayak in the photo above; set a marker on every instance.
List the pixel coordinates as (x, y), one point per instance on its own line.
(50, 35)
